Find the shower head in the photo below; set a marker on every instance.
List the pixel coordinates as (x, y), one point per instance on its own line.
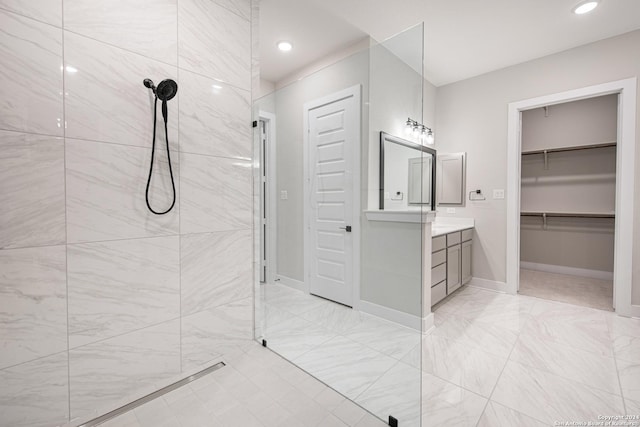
(166, 89)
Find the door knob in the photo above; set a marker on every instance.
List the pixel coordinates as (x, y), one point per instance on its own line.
(347, 228)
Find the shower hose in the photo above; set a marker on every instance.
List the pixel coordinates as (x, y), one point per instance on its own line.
(153, 150)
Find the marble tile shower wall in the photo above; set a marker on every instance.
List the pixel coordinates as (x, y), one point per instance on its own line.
(101, 301)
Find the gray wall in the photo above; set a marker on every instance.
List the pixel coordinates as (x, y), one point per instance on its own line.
(392, 91)
(102, 301)
(472, 117)
(574, 181)
(391, 252)
(584, 122)
(288, 105)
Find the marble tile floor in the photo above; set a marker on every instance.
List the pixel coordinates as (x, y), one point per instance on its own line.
(584, 291)
(255, 389)
(492, 360)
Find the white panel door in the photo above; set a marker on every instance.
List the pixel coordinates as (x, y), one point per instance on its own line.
(332, 131)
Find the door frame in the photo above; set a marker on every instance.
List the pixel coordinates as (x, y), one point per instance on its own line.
(271, 197)
(355, 93)
(625, 175)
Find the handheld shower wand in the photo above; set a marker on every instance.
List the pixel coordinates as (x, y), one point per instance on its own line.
(165, 91)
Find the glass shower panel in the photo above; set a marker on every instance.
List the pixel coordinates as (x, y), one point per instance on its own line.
(339, 283)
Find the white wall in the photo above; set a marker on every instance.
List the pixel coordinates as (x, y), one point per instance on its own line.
(472, 117)
(101, 301)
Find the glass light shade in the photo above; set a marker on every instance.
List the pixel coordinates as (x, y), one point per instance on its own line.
(408, 126)
(430, 138)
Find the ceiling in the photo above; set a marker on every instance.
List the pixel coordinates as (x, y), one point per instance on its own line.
(462, 38)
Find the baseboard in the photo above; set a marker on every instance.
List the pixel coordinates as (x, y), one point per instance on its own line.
(428, 323)
(492, 285)
(635, 311)
(292, 283)
(392, 315)
(571, 271)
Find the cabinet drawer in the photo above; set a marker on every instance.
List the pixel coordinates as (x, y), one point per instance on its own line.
(438, 292)
(438, 258)
(453, 238)
(438, 243)
(467, 234)
(438, 274)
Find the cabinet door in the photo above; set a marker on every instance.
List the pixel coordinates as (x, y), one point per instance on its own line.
(466, 262)
(453, 268)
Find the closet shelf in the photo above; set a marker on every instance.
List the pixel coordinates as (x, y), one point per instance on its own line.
(574, 148)
(570, 214)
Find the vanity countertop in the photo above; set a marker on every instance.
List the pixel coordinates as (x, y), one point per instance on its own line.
(415, 215)
(439, 230)
(446, 225)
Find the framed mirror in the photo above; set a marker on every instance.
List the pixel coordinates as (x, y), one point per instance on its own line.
(451, 179)
(407, 174)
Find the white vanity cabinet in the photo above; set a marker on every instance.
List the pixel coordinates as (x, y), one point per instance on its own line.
(450, 262)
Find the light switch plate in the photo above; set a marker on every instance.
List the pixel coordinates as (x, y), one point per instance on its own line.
(284, 195)
(451, 210)
(498, 194)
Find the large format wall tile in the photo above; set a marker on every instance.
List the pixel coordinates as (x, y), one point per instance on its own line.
(239, 7)
(32, 211)
(110, 373)
(118, 287)
(214, 117)
(105, 97)
(33, 309)
(49, 11)
(35, 394)
(106, 192)
(210, 334)
(215, 269)
(215, 194)
(31, 58)
(203, 26)
(148, 28)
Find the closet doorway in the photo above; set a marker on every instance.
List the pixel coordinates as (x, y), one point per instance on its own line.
(623, 217)
(567, 201)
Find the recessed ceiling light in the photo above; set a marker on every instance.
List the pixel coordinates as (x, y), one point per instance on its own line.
(285, 46)
(585, 7)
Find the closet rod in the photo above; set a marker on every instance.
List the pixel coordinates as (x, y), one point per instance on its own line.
(569, 214)
(577, 147)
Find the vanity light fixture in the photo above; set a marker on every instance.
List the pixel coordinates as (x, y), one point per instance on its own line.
(585, 7)
(285, 46)
(418, 130)
(408, 126)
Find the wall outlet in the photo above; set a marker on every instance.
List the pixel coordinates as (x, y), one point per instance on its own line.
(451, 210)
(284, 195)
(387, 195)
(498, 194)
